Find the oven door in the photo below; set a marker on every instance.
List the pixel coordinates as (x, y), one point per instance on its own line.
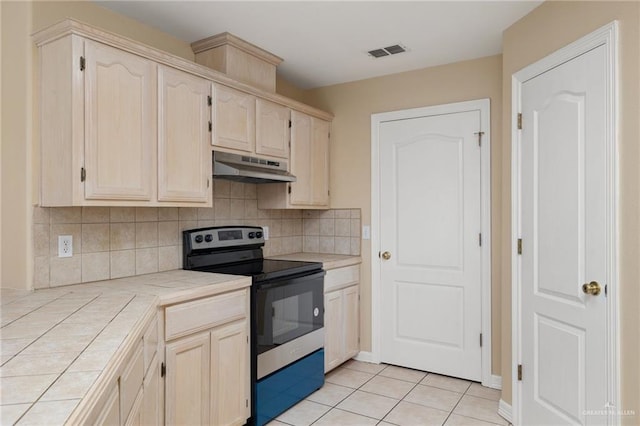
(289, 320)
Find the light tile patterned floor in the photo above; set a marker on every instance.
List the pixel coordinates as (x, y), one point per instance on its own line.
(360, 393)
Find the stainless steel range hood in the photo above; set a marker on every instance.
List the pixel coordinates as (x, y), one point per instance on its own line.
(243, 168)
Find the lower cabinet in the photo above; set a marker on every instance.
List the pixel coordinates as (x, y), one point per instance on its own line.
(110, 412)
(208, 372)
(133, 396)
(341, 316)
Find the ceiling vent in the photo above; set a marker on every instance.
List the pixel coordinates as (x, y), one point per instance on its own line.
(386, 51)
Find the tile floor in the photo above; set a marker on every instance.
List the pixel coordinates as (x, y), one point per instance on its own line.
(360, 393)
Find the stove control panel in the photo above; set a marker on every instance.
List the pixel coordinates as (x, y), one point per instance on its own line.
(223, 236)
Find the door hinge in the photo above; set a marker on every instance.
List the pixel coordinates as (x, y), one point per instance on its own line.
(289, 189)
(246, 403)
(209, 100)
(247, 339)
(208, 183)
(163, 370)
(83, 63)
(83, 174)
(480, 239)
(480, 339)
(605, 289)
(480, 134)
(210, 126)
(520, 372)
(519, 245)
(289, 123)
(519, 121)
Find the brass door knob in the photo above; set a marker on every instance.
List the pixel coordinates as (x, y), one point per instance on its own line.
(593, 288)
(386, 255)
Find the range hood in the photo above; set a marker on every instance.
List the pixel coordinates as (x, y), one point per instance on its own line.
(243, 168)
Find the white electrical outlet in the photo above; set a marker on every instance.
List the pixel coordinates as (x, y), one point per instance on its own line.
(65, 245)
(265, 232)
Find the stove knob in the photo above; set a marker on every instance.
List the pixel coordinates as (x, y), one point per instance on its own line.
(258, 234)
(208, 238)
(199, 238)
(252, 235)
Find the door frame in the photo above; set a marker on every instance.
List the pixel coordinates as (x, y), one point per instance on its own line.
(484, 106)
(604, 36)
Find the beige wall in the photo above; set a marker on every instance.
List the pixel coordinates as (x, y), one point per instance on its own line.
(16, 146)
(353, 104)
(546, 29)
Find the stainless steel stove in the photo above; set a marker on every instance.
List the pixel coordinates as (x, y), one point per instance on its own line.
(287, 313)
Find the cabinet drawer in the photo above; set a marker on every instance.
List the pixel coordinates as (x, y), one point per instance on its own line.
(131, 381)
(190, 317)
(150, 341)
(341, 277)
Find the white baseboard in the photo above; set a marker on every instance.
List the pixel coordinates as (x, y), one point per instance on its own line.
(495, 382)
(366, 357)
(504, 410)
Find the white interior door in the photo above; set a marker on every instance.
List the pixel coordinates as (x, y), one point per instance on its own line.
(564, 203)
(430, 224)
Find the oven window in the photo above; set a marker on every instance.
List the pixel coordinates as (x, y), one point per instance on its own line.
(287, 310)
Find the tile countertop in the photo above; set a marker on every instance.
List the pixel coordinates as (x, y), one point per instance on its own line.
(57, 345)
(329, 261)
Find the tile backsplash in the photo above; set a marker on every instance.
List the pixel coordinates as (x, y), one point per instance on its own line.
(115, 242)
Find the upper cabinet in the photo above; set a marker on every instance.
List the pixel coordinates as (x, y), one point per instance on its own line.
(309, 164)
(246, 124)
(124, 124)
(184, 153)
(272, 129)
(119, 129)
(234, 119)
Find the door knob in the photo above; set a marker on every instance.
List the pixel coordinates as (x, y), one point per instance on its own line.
(386, 255)
(593, 288)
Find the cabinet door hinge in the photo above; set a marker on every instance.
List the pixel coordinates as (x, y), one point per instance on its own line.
(289, 123)
(519, 121)
(209, 100)
(480, 134)
(289, 189)
(208, 182)
(247, 339)
(606, 286)
(480, 339)
(246, 403)
(480, 239)
(163, 370)
(520, 372)
(210, 126)
(83, 174)
(519, 245)
(83, 63)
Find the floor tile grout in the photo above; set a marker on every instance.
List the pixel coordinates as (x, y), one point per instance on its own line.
(415, 384)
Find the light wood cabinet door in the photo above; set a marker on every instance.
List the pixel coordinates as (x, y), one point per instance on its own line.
(120, 124)
(301, 152)
(135, 416)
(319, 163)
(272, 129)
(333, 330)
(110, 413)
(184, 149)
(151, 395)
(351, 321)
(188, 393)
(230, 374)
(234, 124)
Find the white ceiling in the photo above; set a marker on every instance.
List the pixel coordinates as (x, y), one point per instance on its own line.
(325, 42)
